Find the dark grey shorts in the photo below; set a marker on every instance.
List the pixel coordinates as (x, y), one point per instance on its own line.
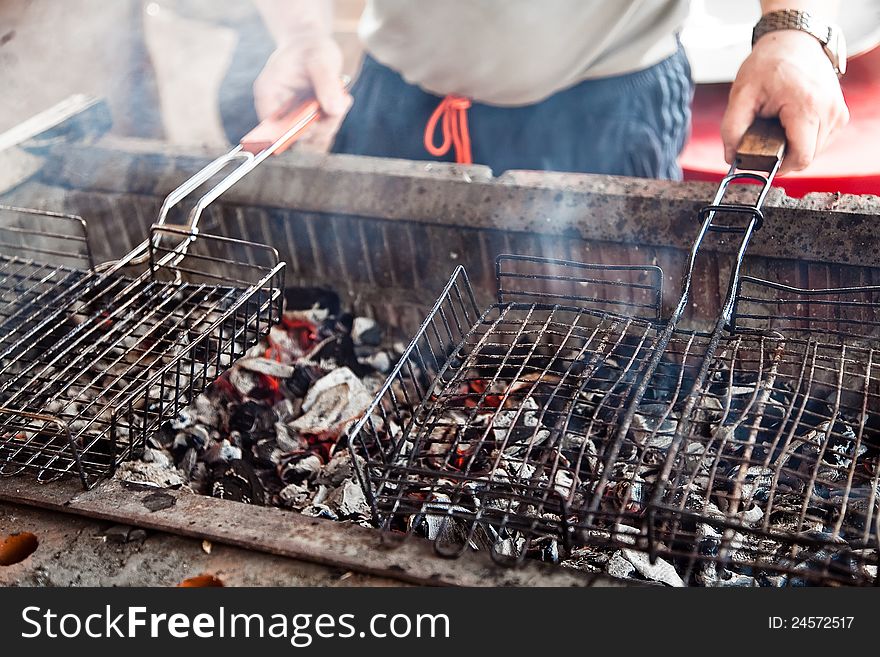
(634, 124)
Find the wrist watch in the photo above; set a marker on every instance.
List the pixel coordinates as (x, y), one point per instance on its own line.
(828, 34)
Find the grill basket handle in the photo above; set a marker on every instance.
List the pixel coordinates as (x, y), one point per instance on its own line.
(762, 147)
(269, 138)
(277, 134)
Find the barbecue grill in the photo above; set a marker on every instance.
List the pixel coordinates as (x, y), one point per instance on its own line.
(381, 232)
(568, 416)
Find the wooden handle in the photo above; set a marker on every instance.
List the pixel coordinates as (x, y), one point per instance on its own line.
(762, 147)
(271, 130)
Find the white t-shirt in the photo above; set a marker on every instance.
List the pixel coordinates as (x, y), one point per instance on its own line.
(518, 52)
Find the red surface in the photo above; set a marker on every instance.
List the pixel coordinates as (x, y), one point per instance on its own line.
(851, 164)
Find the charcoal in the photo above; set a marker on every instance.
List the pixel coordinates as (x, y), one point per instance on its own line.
(265, 366)
(338, 351)
(653, 426)
(298, 383)
(300, 468)
(437, 524)
(289, 440)
(659, 570)
(118, 533)
(188, 462)
(149, 474)
(137, 535)
(544, 549)
(333, 402)
(589, 559)
(284, 346)
(528, 437)
(295, 496)
(349, 501)
(181, 443)
(165, 435)
(319, 511)
(221, 452)
(379, 361)
(322, 494)
(366, 331)
(244, 382)
(237, 481)
(186, 417)
(265, 453)
(200, 479)
(160, 458)
(619, 566)
(337, 470)
(251, 417)
(309, 298)
(270, 484)
(288, 409)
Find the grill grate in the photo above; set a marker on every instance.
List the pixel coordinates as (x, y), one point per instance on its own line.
(93, 361)
(569, 415)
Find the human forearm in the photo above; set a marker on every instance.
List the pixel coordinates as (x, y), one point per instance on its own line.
(306, 61)
(825, 9)
(296, 20)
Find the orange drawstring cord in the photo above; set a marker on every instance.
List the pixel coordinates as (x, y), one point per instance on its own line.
(453, 111)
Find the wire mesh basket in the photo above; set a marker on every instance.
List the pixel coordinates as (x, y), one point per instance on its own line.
(481, 417)
(777, 471)
(92, 359)
(568, 415)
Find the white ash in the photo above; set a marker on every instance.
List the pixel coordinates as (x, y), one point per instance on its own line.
(289, 440)
(272, 429)
(307, 467)
(339, 469)
(333, 402)
(154, 473)
(295, 496)
(266, 366)
(619, 566)
(380, 361)
(349, 501)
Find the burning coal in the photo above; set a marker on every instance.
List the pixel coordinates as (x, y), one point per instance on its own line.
(272, 429)
(524, 448)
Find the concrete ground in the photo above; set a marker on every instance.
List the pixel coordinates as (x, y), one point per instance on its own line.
(75, 551)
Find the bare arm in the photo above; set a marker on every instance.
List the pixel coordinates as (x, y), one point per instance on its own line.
(306, 60)
(291, 19)
(788, 75)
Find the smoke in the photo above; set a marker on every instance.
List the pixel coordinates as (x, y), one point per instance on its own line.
(52, 50)
(178, 70)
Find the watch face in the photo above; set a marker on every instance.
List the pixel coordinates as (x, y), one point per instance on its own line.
(836, 48)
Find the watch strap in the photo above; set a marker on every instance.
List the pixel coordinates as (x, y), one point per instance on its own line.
(829, 36)
(792, 19)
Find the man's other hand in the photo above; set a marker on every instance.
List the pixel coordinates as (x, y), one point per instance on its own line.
(787, 75)
(297, 70)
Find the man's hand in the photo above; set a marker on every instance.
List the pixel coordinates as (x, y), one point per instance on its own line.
(297, 70)
(307, 61)
(787, 75)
